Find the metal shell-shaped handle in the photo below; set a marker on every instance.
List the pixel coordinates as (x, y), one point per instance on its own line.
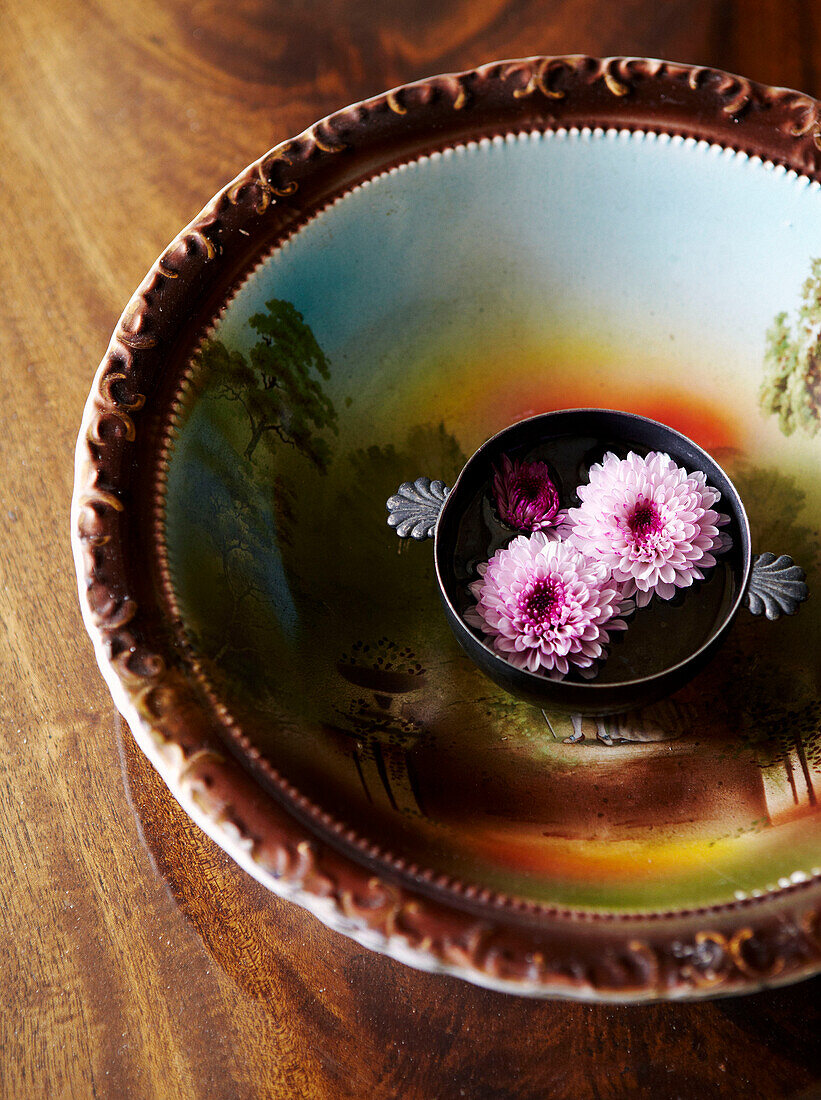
(776, 586)
(414, 509)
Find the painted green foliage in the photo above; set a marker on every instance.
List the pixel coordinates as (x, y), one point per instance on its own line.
(791, 387)
(238, 506)
(279, 383)
(288, 537)
(240, 534)
(343, 562)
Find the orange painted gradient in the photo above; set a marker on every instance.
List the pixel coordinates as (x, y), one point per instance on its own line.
(634, 862)
(696, 419)
(587, 861)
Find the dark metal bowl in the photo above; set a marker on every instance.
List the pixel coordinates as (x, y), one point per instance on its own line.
(767, 584)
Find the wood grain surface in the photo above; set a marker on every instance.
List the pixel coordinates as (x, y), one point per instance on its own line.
(135, 959)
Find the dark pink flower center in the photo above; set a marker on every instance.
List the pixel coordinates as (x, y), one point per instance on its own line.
(645, 521)
(532, 488)
(542, 603)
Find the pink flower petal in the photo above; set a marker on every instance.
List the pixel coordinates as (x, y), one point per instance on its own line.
(557, 614)
(649, 521)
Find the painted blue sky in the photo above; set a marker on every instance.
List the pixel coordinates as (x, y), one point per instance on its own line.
(641, 233)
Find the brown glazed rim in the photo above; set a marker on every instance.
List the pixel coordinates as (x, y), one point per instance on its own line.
(278, 836)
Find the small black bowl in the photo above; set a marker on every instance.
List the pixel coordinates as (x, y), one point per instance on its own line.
(668, 642)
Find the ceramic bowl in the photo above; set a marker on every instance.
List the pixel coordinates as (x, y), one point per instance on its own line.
(666, 646)
(371, 300)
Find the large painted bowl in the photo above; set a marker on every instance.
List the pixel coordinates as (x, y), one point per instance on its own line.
(377, 297)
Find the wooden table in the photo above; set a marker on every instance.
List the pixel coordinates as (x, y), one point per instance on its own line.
(137, 960)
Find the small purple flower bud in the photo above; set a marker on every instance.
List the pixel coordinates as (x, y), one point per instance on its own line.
(526, 498)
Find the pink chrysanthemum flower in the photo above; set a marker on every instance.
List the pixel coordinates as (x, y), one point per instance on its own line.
(546, 606)
(525, 495)
(650, 521)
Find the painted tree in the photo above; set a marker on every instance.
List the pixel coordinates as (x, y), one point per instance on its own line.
(234, 531)
(278, 383)
(791, 387)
